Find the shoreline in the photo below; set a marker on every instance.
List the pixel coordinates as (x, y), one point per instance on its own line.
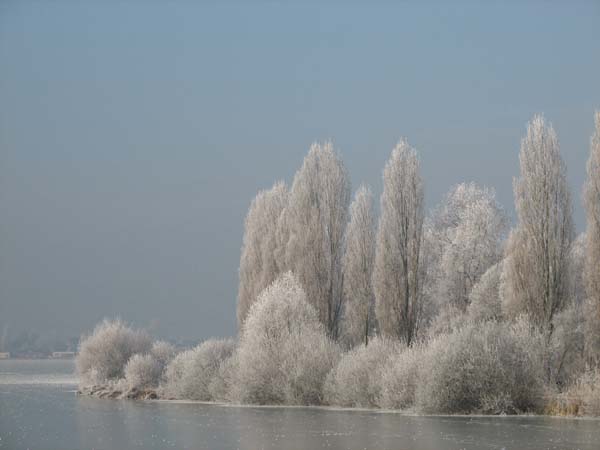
(150, 395)
(407, 413)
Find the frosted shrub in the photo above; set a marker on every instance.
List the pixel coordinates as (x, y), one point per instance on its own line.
(582, 398)
(223, 386)
(490, 368)
(399, 378)
(448, 319)
(143, 371)
(565, 349)
(172, 386)
(354, 381)
(190, 373)
(103, 354)
(308, 356)
(204, 365)
(587, 389)
(284, 353)
(146, 371)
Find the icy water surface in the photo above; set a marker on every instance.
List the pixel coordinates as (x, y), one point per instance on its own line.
(40, 410)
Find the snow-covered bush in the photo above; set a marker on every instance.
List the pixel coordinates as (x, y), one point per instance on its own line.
(143, 371)
(448, 319)
(565, 358)
(284, 354)
(399, 378)
(223, 386)
(490, 367)
(103, 354)
(587, 389)
(354, 381)
(190, 373)
(582, 398)
(174, 374)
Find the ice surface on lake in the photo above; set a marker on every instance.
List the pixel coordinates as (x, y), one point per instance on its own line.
(23, 372)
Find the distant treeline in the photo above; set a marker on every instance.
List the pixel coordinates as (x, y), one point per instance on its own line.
(31, 344)
(448, 312)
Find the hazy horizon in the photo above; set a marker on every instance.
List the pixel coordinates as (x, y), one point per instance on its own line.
(133, 136)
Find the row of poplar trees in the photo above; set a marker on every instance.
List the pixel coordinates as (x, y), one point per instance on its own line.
(366, 275)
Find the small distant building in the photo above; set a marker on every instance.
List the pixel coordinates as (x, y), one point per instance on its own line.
(4, 355)
(63, 355)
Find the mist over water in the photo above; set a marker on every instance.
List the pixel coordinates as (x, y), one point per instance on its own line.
(39, 409)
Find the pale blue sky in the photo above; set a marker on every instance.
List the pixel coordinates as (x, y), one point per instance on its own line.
(133, 135)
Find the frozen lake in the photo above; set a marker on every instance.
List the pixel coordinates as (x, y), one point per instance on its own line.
(40, 410)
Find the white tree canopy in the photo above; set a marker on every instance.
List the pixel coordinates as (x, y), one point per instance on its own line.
(258, 262)
(467, 228)
(313, 227)
(591, 195)
(358, 261)
(538, 248)
(398, 273)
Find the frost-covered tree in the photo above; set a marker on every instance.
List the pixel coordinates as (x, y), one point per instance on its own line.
(538, 248)
(284, 353)
(468, 229)
(591, 195)
(315, 220)
(358, 261)
(258, 262)
(398, 273)
(190, 374)
(102, 355)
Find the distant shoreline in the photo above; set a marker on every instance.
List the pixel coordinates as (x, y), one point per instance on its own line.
(41, 358)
